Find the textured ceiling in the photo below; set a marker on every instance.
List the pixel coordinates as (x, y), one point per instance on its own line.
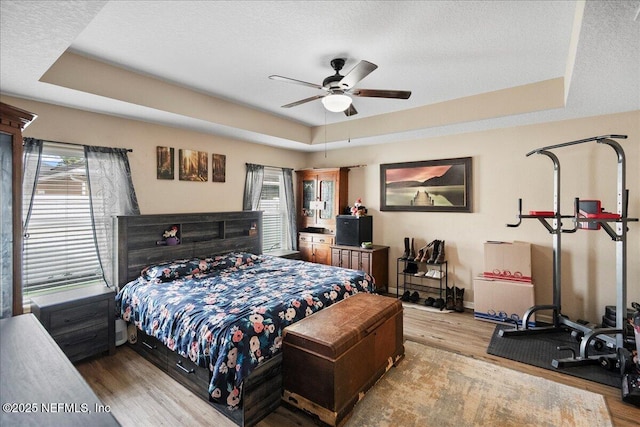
(440, 50)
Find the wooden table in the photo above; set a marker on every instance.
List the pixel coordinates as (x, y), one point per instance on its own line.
(38, 384)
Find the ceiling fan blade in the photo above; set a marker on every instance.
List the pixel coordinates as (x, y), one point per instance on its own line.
(302, 101)
(357, 73)
(290, 80)
(351, 111)
(375, 93)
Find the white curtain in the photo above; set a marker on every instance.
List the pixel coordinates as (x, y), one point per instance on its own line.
(253, 187)
(112, 194)
(32, 159)
(292, 231)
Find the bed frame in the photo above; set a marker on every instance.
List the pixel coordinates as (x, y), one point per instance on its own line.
(140, 243)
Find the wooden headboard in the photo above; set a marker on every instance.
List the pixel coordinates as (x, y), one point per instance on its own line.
(140, 241)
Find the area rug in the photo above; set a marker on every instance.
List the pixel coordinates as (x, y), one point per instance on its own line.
(431, 387)
(540, 350)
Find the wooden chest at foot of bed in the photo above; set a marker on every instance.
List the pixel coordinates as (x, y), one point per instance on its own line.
(330, 359)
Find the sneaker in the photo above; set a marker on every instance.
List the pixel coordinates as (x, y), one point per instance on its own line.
(406, 296)
(415, 296)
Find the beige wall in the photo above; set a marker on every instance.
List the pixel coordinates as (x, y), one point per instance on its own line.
(501, 174)
(154, 195)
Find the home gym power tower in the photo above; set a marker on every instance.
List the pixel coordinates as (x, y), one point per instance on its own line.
(615, 226)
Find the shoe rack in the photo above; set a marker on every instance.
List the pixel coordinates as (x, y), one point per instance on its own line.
(427, 278)
(615, 225)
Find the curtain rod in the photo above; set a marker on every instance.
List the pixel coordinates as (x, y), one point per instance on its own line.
(129, 150)
(341, 167)
(267, 166)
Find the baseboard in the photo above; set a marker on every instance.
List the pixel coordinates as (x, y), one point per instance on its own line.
(468, 305)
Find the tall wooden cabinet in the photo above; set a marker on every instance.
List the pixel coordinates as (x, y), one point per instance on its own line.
(12, 122)
(321, 195)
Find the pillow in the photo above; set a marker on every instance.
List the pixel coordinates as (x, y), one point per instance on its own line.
(169, 271)
(185, 268)
(233, 259)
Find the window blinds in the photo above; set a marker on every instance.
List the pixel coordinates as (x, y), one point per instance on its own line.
(271, 203)
(59, 246)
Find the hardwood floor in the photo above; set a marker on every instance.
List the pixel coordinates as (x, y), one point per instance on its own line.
(140, 395)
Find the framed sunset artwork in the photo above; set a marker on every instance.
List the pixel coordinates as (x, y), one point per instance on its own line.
(426, 186)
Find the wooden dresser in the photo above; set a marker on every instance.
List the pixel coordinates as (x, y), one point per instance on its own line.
(38, 384)
(374, 261)
(81, 320)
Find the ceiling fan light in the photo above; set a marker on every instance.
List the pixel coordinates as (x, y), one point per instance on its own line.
(336, 103)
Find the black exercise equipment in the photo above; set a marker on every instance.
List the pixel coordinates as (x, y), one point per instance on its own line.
(630, 369)
(616, 227)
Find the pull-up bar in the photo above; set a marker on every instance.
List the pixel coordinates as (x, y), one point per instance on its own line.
(580, 141)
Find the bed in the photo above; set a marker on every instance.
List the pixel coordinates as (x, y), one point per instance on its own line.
(217, 306)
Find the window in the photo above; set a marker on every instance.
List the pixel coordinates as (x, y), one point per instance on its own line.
(59, 245)
(273, 205)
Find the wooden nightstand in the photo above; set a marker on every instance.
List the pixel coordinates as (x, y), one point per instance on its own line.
(81, 320)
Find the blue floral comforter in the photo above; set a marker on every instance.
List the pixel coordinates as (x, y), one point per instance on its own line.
(227, 313)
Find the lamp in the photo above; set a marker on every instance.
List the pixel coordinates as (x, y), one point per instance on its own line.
(336, 102)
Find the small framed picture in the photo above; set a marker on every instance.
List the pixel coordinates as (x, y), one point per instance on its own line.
(218, 166)
(194, 166)
(164, 163)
